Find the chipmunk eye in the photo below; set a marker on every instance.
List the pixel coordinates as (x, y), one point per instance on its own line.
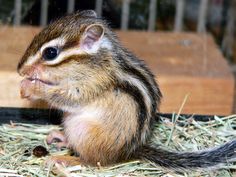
(50, 53)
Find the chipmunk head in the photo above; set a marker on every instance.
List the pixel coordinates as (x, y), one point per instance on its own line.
(68, 61)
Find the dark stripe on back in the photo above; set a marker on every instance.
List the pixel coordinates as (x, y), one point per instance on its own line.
(135, 93)
(154, 96)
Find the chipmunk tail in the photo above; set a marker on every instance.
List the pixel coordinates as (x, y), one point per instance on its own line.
(209, 159)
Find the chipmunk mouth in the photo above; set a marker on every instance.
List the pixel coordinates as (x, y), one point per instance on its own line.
(36, 80)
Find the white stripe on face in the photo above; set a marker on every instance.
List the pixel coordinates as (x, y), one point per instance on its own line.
(60, 42)
(103, 43)
(34, 58)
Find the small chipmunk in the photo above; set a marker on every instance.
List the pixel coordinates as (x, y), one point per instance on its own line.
(109, 96)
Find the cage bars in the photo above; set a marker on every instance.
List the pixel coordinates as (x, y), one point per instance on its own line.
(125, 11)
(17, 10)
(44, 13)
(70, 6)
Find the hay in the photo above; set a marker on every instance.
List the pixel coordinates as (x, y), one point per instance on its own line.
(17, 140)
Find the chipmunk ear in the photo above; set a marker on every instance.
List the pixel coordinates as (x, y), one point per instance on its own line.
(92, 34)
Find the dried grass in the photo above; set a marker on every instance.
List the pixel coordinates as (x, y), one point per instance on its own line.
(181, 134)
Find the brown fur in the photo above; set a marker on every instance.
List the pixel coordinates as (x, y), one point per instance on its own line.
(109, 96)
(110, 131)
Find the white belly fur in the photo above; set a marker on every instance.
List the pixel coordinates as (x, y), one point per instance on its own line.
(76, 125)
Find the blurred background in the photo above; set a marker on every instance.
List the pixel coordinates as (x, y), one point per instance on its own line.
(214, 16)
(189, 44)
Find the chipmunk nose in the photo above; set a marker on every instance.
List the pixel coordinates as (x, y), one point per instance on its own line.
(34, 71)
(25, 70)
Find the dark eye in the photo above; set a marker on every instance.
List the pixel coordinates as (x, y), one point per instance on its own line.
(50, 53)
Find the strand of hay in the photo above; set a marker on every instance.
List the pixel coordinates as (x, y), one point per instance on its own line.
(17, 140)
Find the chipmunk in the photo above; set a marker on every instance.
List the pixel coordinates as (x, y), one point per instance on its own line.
(109, 96)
